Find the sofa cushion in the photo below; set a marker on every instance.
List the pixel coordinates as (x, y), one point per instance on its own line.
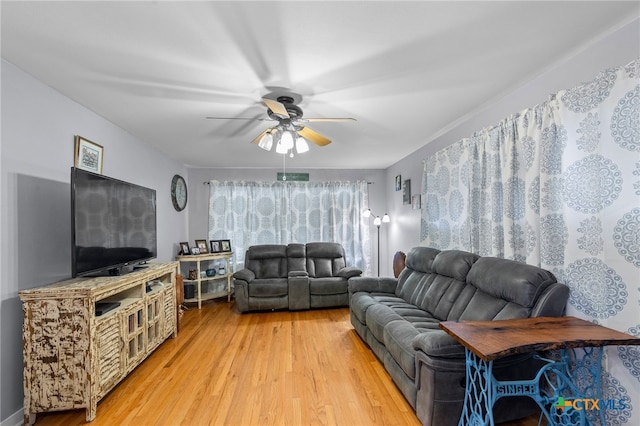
(510, 280)
(438, 282)
(296, 257)
(377, 317)
(324, 259)
(267, 261)
(328, 285)
(360, 302)
(270, 287)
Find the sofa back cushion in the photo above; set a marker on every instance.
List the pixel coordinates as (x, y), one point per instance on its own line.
(433, 279)
(450, 269)
(267, 261)
(296, 257)
(324, 259)
(501, 289)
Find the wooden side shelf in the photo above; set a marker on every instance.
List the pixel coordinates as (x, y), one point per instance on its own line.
(205, 287)
(73, 358)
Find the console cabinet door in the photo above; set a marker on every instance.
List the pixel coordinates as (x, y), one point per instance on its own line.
(155, 316)
(111, 363)
(134, 322)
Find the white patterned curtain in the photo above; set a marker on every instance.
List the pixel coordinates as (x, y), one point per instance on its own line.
(558, 186)
(251, 213)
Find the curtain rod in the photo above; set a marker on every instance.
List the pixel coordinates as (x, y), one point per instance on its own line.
(209, 183)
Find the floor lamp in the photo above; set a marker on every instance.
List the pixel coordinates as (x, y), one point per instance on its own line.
(377, 222)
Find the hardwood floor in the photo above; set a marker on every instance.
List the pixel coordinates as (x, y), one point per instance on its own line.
(226, 368)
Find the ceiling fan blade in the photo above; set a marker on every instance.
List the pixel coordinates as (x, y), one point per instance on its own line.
(230, 118)
(276, 107)
(256, 140)
(314, 136)
(240, 118)
(325, 120)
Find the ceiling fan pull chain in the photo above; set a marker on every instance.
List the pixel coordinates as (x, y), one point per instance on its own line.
(284, 168)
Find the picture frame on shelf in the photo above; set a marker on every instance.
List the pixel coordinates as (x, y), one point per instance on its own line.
(398, 182)
(406, 192)
(184, 249)
(87, 155)
(225, 245)
(195, 250)
(202, 246)
(215, 246)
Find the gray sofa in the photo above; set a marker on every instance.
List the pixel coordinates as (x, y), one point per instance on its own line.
(398, 319)
(294, 277)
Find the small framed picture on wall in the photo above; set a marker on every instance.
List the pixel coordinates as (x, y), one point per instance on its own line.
(398, 183)
(406, 192)
(416, 202)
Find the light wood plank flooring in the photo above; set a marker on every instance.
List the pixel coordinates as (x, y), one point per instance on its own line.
(274, 368)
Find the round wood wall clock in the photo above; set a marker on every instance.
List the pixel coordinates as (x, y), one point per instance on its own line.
(178, 192)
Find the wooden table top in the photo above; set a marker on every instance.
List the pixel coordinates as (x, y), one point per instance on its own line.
(495, 339)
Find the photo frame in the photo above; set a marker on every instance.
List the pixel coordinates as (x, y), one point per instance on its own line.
(195, 250)
(406, 192)
(215, 246)
(416, 202)
(87, 155)
(398, 183)
(225, 245)
(202, 246)
(184, 249)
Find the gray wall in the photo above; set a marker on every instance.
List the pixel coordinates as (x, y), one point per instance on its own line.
(618, 48)
(36, 154)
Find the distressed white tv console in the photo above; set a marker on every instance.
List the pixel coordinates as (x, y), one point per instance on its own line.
(73, 358)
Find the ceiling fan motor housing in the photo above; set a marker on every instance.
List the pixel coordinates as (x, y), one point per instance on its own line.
(294, 111)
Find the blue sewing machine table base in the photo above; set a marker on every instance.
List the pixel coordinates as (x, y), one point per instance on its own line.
(568, 385)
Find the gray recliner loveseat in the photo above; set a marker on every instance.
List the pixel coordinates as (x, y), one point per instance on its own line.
(398, 319)
(294, 277)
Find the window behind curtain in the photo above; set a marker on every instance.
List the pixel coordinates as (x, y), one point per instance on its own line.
(252, 213)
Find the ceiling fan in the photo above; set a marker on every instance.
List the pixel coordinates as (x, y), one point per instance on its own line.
(291, 130)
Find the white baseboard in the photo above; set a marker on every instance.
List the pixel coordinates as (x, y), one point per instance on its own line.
(13, 420)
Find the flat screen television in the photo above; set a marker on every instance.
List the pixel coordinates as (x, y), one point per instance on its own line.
(113, 224)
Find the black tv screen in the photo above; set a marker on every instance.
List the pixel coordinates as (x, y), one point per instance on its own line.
(113, 224)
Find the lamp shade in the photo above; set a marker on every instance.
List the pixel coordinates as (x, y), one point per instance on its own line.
(287, 140)
(266, 142)
(377, 221)
(301, 145)
(386, 218)
(366, 213)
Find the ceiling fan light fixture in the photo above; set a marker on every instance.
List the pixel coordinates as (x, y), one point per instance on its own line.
(280, 148)
(266, 142)
(287, 139)
(301, 145)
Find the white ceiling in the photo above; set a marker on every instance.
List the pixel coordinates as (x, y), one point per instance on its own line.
(404, 70)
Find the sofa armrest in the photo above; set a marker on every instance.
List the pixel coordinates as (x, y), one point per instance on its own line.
(349, 271)
(439, 344)
(244, 275)
(373, 284)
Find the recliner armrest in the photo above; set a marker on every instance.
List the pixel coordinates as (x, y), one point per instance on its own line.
(298, 274)
(438, 343)
(373, 284)
(244, 275)
(349, 271)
